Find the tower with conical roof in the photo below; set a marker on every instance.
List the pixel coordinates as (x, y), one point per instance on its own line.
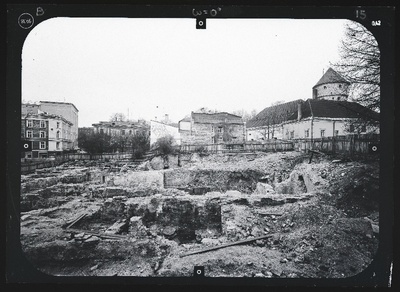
(331, 86)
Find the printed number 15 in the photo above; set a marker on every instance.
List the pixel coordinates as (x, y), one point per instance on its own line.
(361, 14)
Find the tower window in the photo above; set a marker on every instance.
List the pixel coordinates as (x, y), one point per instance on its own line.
(340, 85)
(324, 87)
(338, 98)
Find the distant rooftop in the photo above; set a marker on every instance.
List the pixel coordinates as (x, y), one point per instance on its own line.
(60, 102)
(120, 124)
(45, 115)
(215, 118)
(274, 114)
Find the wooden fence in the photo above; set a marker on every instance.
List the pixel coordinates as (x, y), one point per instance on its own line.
(349, 144)
(268, 146)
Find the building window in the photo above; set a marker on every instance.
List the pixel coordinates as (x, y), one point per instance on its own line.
(42, 145)
(322, 133)
(122, 132)
(42, 134)
(58, 135)
(58, 125)
(307, 133)
(58, 145)
(363, 128)
(101, 131)
(29, 123)
(340, 85)
(43, 124)
(324, 87)
(336, 132)
(338, 98)
(130, 132)
(29, 134)
(351, 128)
(220, 129)
(291, 134)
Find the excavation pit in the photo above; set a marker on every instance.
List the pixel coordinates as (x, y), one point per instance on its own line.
(142, 223)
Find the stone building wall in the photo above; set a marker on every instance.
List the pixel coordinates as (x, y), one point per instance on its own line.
(332, 91)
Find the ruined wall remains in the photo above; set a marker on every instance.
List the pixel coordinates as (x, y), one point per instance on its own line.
(199, 181)
(203, 133)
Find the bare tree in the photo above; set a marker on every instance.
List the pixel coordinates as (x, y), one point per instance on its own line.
(360, 64)
(118, 117)
(246, 116)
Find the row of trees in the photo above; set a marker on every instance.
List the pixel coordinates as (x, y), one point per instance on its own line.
(92, 143)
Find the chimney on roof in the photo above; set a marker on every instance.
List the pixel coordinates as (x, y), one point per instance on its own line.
(299, 111)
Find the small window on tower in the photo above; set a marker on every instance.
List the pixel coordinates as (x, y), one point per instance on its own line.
(340, 85)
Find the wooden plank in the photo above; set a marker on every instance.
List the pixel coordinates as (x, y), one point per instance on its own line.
(226, 245)
(76, 220)
(102, 235)
(269, 213)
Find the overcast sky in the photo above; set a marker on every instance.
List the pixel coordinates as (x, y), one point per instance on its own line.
(153, 67)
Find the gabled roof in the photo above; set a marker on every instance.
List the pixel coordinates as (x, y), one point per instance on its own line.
(274, 114)
(216, 118)
(186, 119)
(322, 108)
(331, 76)
(174, 125)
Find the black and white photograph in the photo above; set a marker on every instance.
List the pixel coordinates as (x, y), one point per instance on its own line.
(205, 146)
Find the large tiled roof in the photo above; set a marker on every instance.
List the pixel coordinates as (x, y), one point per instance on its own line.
(274, 114)
(319, 108)
(334, 109)
(331, 76)
(216, 118)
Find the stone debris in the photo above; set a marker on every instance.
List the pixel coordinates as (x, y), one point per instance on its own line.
(212, 202)
(169, 232)
(118, 227)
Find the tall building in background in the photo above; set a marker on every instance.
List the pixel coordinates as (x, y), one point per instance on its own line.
(68, 111)
(51, 127)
